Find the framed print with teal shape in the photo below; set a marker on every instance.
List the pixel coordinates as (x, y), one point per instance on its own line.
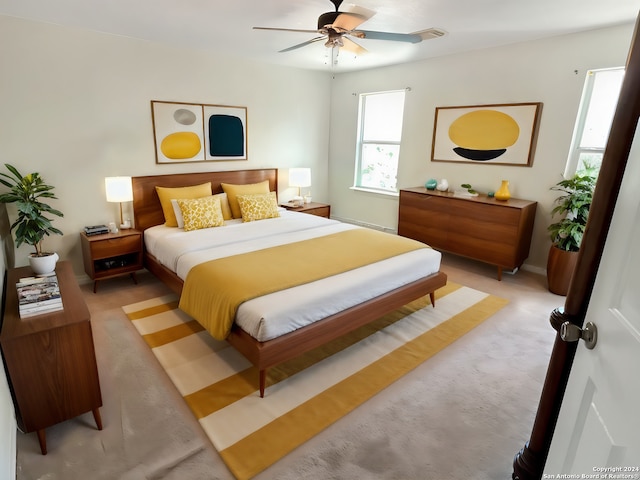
(192, 132)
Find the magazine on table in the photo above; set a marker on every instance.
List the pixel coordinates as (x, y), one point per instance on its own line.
(38, 295)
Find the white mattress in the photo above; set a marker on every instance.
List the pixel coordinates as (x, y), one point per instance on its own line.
(278, 313)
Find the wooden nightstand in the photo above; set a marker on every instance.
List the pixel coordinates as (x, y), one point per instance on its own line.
(50, 358)
(313, 208)
(112, 254)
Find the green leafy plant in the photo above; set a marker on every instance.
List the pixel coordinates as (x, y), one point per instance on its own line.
(469, 188)
(573, 204)
(26, 192)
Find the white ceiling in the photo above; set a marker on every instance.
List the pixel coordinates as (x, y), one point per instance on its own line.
(226, 25)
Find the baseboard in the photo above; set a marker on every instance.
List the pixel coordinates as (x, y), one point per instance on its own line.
(373, 226)
(534, 269)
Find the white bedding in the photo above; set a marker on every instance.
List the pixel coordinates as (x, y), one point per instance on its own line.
(278, 313)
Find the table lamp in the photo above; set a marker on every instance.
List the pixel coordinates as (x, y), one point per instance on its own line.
(299, 177)
(119, 190)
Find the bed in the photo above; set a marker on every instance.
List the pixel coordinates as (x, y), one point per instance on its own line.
(307, 316)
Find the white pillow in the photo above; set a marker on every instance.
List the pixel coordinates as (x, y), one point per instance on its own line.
(178, 212)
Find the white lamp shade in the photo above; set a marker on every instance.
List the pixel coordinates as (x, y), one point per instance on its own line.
(118, 189)
(299, 177)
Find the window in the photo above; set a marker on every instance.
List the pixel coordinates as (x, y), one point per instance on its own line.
(598, 104)
(379, 135)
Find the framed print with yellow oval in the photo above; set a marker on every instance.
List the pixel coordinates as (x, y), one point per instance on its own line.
(195, 132)
(503, 134)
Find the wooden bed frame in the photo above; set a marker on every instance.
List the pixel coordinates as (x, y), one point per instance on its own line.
(148, 213)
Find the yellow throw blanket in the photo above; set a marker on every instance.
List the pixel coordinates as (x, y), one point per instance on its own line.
(214, 290)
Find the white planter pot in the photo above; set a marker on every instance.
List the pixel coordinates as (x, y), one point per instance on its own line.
(43, 265)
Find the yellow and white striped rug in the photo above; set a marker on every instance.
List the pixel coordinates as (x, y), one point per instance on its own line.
(304, 395)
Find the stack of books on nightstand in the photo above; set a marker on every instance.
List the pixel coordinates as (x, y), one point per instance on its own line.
(38, 295)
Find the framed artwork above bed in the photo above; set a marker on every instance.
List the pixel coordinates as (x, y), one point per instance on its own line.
(194, 132)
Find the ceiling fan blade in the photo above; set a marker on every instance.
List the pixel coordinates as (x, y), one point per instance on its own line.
(303, 44)
(348, 21)
(285, 29)
(353, 47)
(394, 37)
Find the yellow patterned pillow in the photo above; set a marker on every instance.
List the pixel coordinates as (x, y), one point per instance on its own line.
(258, 206)
(165, 194)
(233, 191)
(200, 213)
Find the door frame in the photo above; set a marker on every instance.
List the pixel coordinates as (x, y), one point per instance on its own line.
(529, 462)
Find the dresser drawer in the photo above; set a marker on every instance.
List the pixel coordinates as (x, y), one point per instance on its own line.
(115, 246)
(423, 218)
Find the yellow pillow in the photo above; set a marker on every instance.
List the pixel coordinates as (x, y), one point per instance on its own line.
(200, 213)
(165, 194)
(259, 206)
(224, 204)
(233, 191)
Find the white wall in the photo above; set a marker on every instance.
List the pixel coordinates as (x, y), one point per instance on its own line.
(76, 109)
(550, 71)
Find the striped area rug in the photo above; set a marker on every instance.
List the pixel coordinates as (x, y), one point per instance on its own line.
(304, 395)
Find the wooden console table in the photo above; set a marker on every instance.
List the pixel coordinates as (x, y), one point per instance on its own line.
(50, 358)
(493, 231)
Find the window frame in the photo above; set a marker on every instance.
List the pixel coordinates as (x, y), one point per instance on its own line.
(361, 142)
(574, 164)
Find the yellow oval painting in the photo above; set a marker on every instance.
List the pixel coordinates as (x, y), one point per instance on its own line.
(484, 130)
(180, 145)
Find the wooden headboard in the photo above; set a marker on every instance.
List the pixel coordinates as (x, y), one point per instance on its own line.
(147, 210)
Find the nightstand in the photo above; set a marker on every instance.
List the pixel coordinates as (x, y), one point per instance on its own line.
(112, 254)
(313, 208)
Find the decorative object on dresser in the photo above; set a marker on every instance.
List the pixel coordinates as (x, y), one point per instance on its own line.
(31, 225)
(503, 192)
(482, 228)
(191, 132)
(502, 134)
(566, 234)
(314, 208)
(118, 191)
(443, 185)
(50, 358)
(112, 254)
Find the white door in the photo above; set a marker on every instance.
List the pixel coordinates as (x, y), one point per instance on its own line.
(598, 430)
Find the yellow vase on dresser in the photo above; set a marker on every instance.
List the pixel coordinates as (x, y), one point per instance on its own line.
(503, 192)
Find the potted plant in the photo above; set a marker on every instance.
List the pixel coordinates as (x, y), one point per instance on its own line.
(31, 226)
(566, 235)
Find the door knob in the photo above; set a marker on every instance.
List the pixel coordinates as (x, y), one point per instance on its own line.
(570, 332)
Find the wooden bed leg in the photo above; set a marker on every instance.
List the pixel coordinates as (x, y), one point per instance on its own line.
(432, 296)
(263, 380)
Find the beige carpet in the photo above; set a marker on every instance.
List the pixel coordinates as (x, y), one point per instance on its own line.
(306, 395)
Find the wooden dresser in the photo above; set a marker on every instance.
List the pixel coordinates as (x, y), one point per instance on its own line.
(482, 228)
(50, 358)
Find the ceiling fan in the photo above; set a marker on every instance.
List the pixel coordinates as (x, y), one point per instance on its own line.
(335, 28)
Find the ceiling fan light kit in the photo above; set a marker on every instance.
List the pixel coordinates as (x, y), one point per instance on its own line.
(336, 27)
